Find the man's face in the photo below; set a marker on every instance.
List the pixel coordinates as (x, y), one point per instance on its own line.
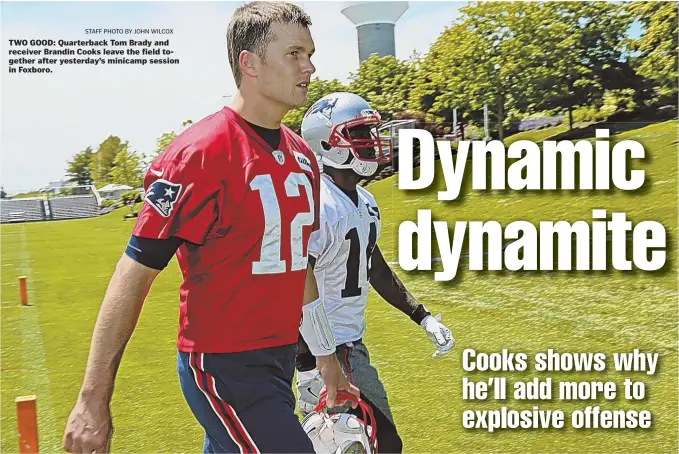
(364, 132)
(286, 71)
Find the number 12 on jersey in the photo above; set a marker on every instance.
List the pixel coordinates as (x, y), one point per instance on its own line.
(270, 259)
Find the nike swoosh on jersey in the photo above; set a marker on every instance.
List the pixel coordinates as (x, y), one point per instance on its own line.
(158, 173)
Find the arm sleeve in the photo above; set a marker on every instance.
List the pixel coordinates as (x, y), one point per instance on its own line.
(155, 254)
(316, 185)
(181, 200)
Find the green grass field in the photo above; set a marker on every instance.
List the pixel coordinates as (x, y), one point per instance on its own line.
(69, 263)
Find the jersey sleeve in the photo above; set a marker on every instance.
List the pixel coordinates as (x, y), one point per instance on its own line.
(378, 221)
(374, 212)
(320, 241)
(325, 243)
(180, 200)
(309, 164)
(316, 187)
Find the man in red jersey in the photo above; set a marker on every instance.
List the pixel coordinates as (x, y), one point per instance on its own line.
(235, 196)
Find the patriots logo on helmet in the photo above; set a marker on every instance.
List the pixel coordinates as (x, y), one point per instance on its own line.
(162, 195)
(323, 106)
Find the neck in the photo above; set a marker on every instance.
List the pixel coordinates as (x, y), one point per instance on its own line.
(257, 109)
(345, 179)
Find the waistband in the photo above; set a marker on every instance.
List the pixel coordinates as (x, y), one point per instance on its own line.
(352, 343)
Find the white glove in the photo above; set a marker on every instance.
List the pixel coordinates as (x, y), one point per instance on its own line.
(439, 334)
(309, 385)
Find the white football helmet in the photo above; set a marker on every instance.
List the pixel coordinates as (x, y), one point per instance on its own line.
(341, 433)
(342, 129)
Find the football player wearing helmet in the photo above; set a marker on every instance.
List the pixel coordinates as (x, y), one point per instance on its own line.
(342, 129)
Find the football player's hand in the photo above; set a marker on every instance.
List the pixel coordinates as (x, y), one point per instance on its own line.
(439, 334)
(334, 379)
(89, 428)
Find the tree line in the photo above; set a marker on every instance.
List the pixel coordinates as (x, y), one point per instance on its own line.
(114, 162)
(575, 59)
(522, 59)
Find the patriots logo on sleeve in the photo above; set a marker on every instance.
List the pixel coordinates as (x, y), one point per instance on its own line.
(162, 195)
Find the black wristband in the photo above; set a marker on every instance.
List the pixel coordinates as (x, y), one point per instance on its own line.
(419, 314)
(305, 362)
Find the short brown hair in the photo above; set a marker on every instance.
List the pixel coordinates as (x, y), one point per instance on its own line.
(250, 29)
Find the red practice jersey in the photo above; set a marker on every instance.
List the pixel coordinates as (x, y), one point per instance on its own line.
(246, 212)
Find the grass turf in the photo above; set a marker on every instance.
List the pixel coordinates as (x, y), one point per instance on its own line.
(68, 264)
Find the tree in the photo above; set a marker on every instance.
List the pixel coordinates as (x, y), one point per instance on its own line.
(102, 162)
(317, 89)
(384, 82)
(163, 141)
(166, 139)
(523, 57)
(585, 60)
(3, 194)
(657, 46)
(127, 169)
(473, 63)
(78, 169)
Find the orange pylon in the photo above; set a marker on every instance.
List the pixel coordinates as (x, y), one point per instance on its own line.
(27, 422)
(23, 293)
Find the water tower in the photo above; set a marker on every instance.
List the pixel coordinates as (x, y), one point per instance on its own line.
(375, 22)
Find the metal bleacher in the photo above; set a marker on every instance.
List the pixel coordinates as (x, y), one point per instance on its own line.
(43, 209)
(83, 206)
(21, 210)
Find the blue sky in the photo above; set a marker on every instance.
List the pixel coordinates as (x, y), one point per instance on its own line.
(47, 118)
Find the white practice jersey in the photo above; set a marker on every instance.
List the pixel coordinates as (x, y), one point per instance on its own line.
(342, 247)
